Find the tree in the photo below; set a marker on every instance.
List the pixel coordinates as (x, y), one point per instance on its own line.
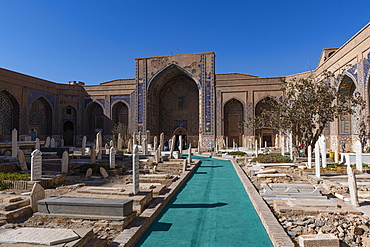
(121, 128)
(307, 107)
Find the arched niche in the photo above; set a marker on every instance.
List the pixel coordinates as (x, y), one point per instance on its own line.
(120, 113)
(69, 115)
(266, 135)
(94, 119)
(9, 117)
(173, 102)
(346, 88)
(233, 121)
(40, 117)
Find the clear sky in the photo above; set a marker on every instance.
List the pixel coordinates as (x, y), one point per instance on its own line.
(97, 41)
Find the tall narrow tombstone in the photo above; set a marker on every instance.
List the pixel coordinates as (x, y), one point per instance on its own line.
(161, 141)
(99, 142)
(265, 144)
(276, 141)
(111, 143)
(317, 159)
(14, 143)
(352, 186)
(244, 144)
(282, 146)
(256, 148)
(155, 143)
(22, 160)
(139, 138)
(129, 146)
(112, 158)
(83, 145)
(99, 154)
(180, 147)
(93, 154)
(148, 137)
(52, 143)
(145, 147)
(198, 147)
(47, 142)
(291, 145)
(135, 171)
(336, 156)
(65, 162)
(189, 154)
(323, 150)
(37, 144)
(36, 165)
(106, 147)
(309, 154)
(173, 144)
(157, 155)
(184, 165)
(358, 155)
(119, 142)
(234, 145)
(227, 142)
(216, 148)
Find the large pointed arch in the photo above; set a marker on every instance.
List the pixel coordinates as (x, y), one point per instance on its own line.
(233, 120)
(172, 102)
(69, 115)
(94, 119)
(346, 88)
(265, 135)
(9, 117)
(40, 117)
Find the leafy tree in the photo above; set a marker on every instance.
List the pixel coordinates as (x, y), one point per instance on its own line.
(121, 128)
(307, 107)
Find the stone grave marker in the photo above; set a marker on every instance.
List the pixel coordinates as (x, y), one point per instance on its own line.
(37, 144)
(119, 142)
(112, 158)
(93, 154)
(358, 155)
(103, 172)
(155, 143)
(322, 143)
(65, 162)
(145, 147)
(52, 143)
(227, 143)
(173, 145)
(36, 165)
(47, 142)
(161, 141)
(37, 193)
(352, 185)
(62, 143)
(291, 145)
(282, 145)
(157, 156)
(106, 147)
(309, 154)
(14, 143)
(84, 139)
(256, 148)
(89, 172)
(184, 165)
(139, 138)
(189, 154)
(180, 147)
(198, 146)
(111, 143)
(99, 142)
(276, 140)
(317, 159)
(129, 146)
(22, 160)
(148, 136)
(135, 171)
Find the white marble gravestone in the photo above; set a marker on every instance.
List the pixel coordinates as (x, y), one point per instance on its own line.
(317, 159)
(309, 154)
(155, 143)
(106, 147)
(352, 186)
(14, 143)
(84, 139)
(119, 142)
(322, 142)
(65, 162)
(47, 142)
(161, 141)
(184, 165)
(37, 193)
(358, 155)
(282, 145)
(135, 171)
(112, 158)
(173, 145)
(52, 143)
(145, 147)
(36, 165)
(180, 147)
(93, 154)
(22, 160)
(189, 154)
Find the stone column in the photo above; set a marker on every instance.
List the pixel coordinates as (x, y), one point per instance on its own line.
(84, 139)
(65, 162)
(36, 165)
(135, 171)
(358, 155)
(112, 158)
(317, 159)
(14, 143)
(352, 185)
(309, 154)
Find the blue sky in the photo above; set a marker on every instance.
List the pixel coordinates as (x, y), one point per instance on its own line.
(97, 41)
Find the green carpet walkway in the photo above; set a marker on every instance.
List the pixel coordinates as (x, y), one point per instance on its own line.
(211, 209)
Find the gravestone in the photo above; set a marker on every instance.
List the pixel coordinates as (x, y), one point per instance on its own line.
(106, 147)
(129, 146)
(93, 154)
(276, 141)
(282, 145)
(103, 172)
(47, 142)
(184, 165)
(157, 156)
(198, 147)
(14, 143)
(291, 145)
(352, 186)
(148, 136)
(309, 154)
(65, 162)
(180, 147)
(37, 144)
(99, 143)
(189, 154)
(256, 148)
(135, 171)
(62, 143)
(36, 165)
(145, 147)
(358, 155)
(37, 193)
(84, 139)
(52, 143)
(139, 138)
(234, 145)
(112, 158)
(119, 142)
(161, 141)
(111, 143)
(89, 172)
(22, 160)
(173, 144)
(227, 143)
(322, 143)
(317, 159)
(155, 143)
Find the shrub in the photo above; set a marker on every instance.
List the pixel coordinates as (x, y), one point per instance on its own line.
(272, 158)
(236, 153)
(15, 176)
